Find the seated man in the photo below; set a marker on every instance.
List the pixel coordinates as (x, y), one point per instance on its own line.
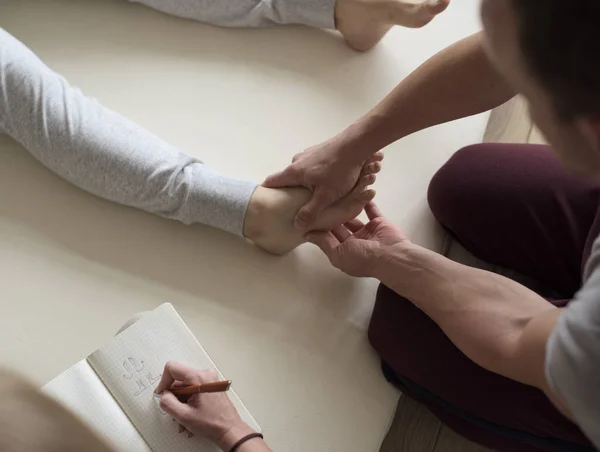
(495, 361)
(362, 23)
(104, 153)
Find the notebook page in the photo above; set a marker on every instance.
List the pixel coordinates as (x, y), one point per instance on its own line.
(131, 364)
(80, 390)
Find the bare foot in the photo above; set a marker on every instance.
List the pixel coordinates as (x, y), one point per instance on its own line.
(364, 22)
(269, 221)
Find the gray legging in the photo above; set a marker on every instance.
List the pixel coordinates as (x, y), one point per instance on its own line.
(250, 13)
(104, 153)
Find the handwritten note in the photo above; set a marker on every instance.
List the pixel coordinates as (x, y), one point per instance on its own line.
(130, 366)
(135, 368)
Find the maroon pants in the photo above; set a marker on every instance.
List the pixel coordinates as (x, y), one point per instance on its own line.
(517, 207)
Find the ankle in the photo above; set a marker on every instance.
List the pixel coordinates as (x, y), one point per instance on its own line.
(271, 209)
(255, 212)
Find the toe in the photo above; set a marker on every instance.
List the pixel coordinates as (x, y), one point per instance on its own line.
(363, 183)
(368, 195)
(371, 168)
(438, 6)
(377, 157)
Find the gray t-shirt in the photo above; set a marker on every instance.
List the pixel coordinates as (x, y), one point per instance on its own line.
(573, 352)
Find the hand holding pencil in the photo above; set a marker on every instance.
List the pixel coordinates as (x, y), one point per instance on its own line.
(198, 401)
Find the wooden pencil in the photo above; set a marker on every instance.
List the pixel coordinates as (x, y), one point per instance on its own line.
(215, 386)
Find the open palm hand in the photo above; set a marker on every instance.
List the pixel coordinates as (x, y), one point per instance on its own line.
(354, 247)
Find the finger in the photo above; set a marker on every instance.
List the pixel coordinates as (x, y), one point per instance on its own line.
(174, 371)
(176, 409)
(354, 225)
(363, 183)
(285, 178)
(341, 233)
(207, 376)
(309, 212)
(324, 240)
(373, 211)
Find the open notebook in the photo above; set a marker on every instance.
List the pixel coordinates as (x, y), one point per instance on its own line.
(112, 390)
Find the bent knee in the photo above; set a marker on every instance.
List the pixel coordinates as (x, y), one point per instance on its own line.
(456, 184)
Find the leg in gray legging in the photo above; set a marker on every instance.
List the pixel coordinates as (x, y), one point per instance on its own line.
(250, 13)
(105, 154)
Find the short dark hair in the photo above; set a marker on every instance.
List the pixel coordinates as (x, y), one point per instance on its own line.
(560, 40)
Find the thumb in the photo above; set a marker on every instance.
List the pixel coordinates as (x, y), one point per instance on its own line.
(309, 212)
(176, 409)
(285, 178)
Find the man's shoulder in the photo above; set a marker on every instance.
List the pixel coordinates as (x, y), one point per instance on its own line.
(573, 352)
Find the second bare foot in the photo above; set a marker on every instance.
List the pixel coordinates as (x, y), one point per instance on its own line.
(364, 22)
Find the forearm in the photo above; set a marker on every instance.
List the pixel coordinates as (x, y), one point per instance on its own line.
(457, 82)
(490, 318)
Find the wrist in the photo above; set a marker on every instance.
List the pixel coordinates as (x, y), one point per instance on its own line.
(361, 140)
(389, 258)
(233, 435)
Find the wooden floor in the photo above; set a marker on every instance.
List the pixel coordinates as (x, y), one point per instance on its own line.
(414, 428)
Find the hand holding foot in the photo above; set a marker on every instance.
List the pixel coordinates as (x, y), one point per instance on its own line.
(270, 216)
(329, 172)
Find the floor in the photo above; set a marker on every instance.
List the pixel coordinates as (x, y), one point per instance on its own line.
(75, 267)
(414, 428)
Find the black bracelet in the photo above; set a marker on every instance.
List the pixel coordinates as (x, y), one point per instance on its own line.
(244, 439)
